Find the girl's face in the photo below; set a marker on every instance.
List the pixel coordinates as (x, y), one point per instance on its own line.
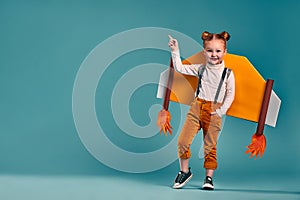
(215, 51)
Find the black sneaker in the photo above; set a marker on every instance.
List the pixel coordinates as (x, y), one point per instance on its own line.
(182, 178)
(208, 184)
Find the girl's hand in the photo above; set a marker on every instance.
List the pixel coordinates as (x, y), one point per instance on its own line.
(173, 44)
(213, 113)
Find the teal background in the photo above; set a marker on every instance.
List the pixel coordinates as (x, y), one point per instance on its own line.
(42, 45)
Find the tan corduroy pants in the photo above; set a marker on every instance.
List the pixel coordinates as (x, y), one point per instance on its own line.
(200, 117)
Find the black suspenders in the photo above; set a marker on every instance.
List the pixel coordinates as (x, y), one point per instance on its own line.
(200, 74)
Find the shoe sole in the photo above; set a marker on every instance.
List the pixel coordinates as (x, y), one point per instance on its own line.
(208, 187)
(182, 184)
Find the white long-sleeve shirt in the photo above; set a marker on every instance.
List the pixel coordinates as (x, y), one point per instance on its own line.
(209, 82)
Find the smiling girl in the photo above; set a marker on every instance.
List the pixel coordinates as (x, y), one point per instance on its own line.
(214, 95)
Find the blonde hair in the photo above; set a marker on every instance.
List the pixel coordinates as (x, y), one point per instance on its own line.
(207, 36)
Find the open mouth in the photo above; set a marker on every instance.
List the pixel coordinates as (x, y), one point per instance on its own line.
(214, 59)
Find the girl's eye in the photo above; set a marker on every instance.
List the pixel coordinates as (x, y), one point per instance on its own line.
(218, 51)
(209, 50)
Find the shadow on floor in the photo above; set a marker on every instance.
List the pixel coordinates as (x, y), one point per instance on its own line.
(198, 187)
(259, 191)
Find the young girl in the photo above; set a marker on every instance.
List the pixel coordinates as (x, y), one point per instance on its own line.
(214, 96)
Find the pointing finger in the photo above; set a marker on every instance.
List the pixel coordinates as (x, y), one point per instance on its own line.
(170, 37)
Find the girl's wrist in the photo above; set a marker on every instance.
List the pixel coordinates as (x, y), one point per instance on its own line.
(218, 112)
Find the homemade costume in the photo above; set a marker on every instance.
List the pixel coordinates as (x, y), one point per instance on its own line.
(215, 93)
(254, 98)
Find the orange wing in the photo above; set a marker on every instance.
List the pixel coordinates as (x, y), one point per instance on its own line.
(249, 86)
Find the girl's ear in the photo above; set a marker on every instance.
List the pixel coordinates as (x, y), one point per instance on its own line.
(225, 52)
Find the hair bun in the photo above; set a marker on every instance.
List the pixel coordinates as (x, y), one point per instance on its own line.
(225, 35)
(206, 35)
